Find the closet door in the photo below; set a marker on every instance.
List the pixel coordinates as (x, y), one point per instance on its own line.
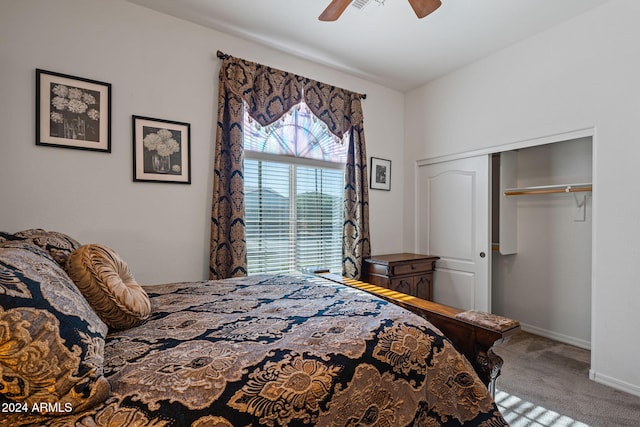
(453, 223)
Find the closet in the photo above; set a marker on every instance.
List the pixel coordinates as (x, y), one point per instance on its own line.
(541, 238)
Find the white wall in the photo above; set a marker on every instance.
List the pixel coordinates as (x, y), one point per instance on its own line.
(581, 74)
(159, 67)
(546, 285)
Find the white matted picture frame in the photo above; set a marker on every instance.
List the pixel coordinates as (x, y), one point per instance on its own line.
(72, 112)
(161, 150)
(380, 175)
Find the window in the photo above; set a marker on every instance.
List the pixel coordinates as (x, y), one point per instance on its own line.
(294, 185)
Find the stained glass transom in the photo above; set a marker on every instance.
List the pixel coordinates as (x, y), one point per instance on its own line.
(299, 133)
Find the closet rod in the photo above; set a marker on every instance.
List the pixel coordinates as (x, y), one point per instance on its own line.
(548, 189)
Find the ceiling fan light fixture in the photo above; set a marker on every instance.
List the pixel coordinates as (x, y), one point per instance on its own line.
(335, 8)
(423, 8)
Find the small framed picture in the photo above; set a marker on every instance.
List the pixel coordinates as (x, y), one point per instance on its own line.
(72, 112)
(380, 174)
(161, 150)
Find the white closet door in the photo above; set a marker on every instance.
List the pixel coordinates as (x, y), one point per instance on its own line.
(453, 223)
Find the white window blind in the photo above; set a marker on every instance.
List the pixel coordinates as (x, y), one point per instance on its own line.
(294, 174)
(293, 215)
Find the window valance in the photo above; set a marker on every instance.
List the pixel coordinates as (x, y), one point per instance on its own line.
(270, 93)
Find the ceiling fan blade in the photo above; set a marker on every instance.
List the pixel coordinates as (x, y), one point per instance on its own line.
(424, 7)
(334, 10)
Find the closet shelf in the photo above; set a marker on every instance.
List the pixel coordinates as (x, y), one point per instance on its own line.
(548, 189)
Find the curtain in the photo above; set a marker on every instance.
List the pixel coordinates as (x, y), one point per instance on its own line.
(266, 94)
(356, 245)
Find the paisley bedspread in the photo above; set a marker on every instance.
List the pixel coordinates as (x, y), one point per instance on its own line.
(281, 350)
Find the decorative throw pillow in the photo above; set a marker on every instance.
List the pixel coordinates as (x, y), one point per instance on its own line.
(51, 341)
(107, 283)
(59, 245)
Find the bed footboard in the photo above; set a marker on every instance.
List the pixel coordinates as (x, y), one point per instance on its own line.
(473, 333)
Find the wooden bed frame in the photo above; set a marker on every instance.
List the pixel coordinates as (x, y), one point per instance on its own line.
(472, 333)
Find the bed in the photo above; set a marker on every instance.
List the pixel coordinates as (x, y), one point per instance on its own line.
(82, 344)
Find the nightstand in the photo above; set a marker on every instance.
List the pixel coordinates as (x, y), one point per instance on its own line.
(408, 273)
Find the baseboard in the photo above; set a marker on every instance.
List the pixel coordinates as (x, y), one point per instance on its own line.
(614, 383)
(556, 336)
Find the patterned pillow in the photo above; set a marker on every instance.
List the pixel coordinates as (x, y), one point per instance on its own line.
(51, 341)
(59, 245)
(107, 283)
(5, 236)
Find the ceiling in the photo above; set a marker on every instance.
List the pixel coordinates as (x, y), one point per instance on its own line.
(385, 43)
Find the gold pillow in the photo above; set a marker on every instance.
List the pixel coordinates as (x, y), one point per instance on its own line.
(107, 283)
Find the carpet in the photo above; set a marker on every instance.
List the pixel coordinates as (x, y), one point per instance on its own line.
(546, 383)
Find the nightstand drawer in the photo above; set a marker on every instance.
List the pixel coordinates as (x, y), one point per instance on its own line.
(410, 268)
(371, 268)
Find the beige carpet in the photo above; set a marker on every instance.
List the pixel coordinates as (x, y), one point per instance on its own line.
(546, 383)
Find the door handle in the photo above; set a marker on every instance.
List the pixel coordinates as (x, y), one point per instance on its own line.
(482, 255)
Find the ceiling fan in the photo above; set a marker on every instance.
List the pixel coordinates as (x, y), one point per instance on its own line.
(421, 7)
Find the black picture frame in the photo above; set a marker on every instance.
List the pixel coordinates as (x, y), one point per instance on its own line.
(380, 174)
(72, 112)
(161, 150)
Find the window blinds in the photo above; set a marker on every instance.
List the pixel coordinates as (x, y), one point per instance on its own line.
(293, 215)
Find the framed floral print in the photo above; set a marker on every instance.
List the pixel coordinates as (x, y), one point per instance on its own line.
(161, 150)
(380, 174)
(72, 112)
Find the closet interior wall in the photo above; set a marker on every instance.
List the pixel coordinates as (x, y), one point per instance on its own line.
(544, 279)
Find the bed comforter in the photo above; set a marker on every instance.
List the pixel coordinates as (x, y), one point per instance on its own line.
(276, 350)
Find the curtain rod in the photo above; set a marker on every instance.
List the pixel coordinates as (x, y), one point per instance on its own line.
(223, 55)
